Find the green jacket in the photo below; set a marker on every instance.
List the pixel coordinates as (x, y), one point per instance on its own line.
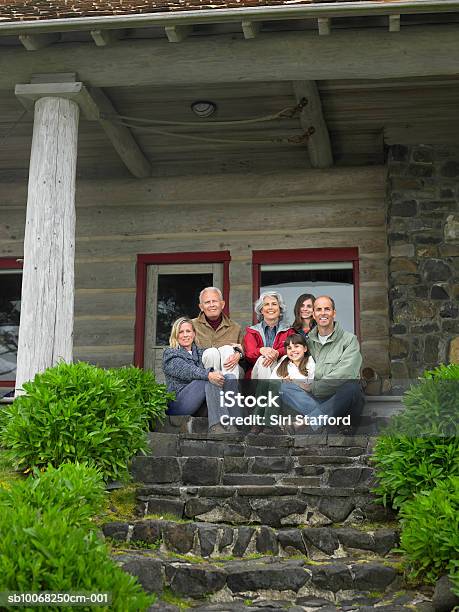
(337, 360)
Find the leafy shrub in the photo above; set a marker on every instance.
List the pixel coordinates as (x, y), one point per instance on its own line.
(76, 490)
(407, 465)
(430, 530)
(443, 372)
(47, 543)
(40, 551)
(78, 412)
(151, 395)
(421, 445)
(454, 575)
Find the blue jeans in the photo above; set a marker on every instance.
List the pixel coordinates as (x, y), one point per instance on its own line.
(190, 398)
(348, 399)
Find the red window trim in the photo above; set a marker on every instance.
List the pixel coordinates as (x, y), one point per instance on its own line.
(310, 256)
(10, 263)
(143, 260)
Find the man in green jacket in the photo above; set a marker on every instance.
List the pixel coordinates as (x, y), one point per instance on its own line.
(335, 390)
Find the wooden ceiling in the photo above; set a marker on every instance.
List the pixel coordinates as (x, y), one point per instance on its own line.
(362, 117)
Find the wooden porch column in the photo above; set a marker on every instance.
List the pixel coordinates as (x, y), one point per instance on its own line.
(46, 325)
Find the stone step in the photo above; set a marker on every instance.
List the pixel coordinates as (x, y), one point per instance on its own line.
(255, 479)
(405, 601)
(217, 540)
(238, 445)
(270, 578)
(196, 428)
(390, 601)
(274, 505)
(301, 470)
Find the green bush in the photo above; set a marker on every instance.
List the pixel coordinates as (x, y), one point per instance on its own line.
(406, 466)
(78, 412)
(151, 395)
(430, 531)
(41, 551)
(76, 490)
(421, 446)
(47, 542)
(443, 372)
(454, 575)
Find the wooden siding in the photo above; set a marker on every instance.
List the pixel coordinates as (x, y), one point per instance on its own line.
(117, 219)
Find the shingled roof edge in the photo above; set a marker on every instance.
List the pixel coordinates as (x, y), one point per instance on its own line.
(279, 12)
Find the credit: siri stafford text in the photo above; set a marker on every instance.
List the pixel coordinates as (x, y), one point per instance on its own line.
(277, 419)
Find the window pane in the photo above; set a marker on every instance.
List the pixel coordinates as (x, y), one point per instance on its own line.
(10, 308)
(292, 283)
(178, 296)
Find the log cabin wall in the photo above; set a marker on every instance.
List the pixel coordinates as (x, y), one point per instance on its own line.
(120, 218)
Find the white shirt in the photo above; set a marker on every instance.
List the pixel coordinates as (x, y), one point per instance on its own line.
(293, 371)
(323, 339)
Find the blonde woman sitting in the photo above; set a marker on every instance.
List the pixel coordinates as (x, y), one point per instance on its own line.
(192, 383)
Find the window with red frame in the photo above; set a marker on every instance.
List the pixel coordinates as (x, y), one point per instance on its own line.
(10, 310)
(168, 287)
(333, 272)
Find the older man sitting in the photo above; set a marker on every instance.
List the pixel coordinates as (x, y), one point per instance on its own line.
(218, 334)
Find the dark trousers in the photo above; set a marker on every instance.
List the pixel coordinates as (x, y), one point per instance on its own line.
(348, 399)
(190, 398)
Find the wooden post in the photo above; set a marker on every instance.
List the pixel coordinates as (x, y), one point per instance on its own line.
(46, 325)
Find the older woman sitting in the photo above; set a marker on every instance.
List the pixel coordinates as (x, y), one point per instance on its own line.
(192, 383)
(264, 342)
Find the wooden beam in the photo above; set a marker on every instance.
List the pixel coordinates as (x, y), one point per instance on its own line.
(394, 23)
(353, 54)
(319, 146)
(34, 42)
(30, 93)
(93, 104)
(120, 136)
(105, 38)
(176, 34)
(55, 77)
(250, 29)
(324, 25)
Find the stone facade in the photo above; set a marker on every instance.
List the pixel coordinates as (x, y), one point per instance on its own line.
(423, 234)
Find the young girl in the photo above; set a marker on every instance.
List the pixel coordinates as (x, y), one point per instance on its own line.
(295, 366)
(297, 363)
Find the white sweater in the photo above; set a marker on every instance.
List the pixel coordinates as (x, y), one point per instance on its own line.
(293, 371)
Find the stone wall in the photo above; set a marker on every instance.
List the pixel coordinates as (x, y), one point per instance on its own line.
(423, 234)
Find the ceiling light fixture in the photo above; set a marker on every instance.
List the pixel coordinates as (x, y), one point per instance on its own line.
(203, 108)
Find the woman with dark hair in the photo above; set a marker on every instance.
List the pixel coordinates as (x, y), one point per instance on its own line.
(303, 311)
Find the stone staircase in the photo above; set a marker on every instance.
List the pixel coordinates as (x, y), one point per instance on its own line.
(250, 522)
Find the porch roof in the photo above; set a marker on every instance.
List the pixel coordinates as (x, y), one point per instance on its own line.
(78, 14)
